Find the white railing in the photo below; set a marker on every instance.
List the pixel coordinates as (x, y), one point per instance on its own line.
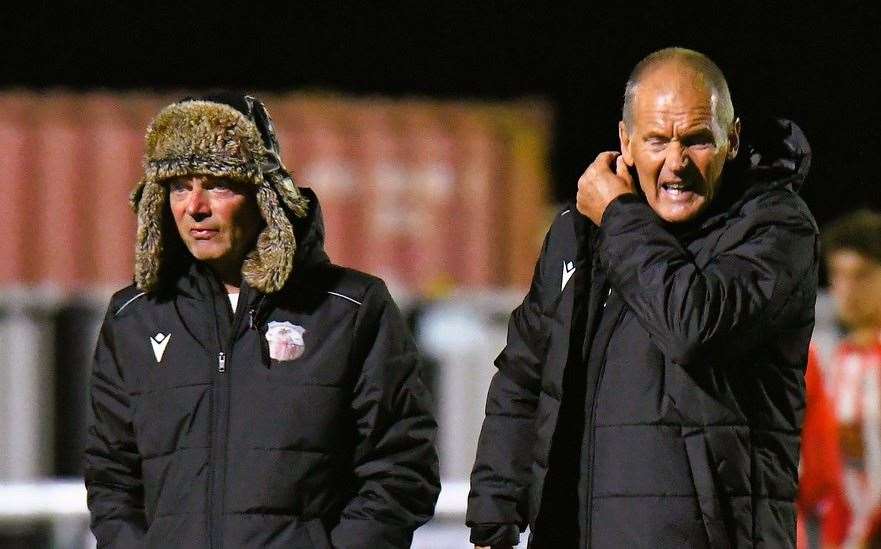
(59, 499)
(62, 504)
(463, 334)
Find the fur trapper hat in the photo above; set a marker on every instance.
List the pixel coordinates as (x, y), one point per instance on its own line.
(223, 136)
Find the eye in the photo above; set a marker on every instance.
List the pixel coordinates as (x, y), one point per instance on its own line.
(656, 143)
(700, 141)
(222, 186)
(701, 145)
(221, 189)
(176, 186)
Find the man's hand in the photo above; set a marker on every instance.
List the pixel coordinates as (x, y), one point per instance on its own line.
(599, 185)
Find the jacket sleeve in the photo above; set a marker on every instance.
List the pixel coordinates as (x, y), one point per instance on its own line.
(396, 464)
(500, 479)
(740, 296)
(112, 463)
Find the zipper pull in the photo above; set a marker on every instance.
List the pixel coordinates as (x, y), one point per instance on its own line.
(251, 318)
(221, 362)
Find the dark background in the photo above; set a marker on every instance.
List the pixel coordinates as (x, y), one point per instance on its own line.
(813, 62)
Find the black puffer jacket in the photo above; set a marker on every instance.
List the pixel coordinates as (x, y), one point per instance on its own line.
(218, 445)
(653, 397)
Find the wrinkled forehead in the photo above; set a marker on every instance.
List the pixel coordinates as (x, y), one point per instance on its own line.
(675, 95)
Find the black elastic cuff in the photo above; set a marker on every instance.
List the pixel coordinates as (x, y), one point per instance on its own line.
(495, 534)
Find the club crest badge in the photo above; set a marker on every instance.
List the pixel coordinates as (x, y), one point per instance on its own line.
(285, 340)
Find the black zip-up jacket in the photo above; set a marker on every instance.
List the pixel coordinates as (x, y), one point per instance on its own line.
(651, 392)
(198, 438)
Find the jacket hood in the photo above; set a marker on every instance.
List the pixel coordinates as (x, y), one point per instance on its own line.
(774, 154)
(224, 136)
(309, 231)
(777, 152)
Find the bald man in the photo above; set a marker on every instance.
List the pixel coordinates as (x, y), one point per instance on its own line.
(651, 390)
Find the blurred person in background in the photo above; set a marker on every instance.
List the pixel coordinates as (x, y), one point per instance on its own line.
(852, 249)
(651, 390)
(819, 487)
(246, 392)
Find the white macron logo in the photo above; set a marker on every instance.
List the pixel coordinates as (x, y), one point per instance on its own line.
(159, 343)
(568, 271)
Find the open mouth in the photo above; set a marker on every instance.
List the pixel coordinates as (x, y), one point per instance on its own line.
(678, 190)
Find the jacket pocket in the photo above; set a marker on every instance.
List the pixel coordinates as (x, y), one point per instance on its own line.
(705, 486)
(318, 535)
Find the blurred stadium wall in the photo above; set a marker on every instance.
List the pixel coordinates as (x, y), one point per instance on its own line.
(418, 192)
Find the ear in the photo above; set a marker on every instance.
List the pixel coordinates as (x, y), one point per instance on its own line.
(624, 138)
(734, 139)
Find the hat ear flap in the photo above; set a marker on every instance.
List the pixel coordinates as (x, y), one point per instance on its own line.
(284, 185)
(269, 265)
(274, 172)
(148, 200)
(134, 198)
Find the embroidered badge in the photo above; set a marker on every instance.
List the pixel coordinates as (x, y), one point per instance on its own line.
(159, 343)
(285, 340)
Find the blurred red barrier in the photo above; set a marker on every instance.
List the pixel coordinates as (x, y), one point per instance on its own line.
(427, 194)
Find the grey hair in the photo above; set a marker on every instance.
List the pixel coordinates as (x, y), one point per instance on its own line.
(706, 69)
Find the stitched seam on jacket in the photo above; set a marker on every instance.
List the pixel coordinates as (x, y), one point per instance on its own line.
(170, 452)
(160, 389)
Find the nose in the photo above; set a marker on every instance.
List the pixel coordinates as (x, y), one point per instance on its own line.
(198, 206)
(677, 157)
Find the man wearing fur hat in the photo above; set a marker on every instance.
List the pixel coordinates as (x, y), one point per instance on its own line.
(246, 392)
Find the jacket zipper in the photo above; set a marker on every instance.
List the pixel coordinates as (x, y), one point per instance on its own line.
(254, 313)
(220, 426)
(217, 455)
(214, 427)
